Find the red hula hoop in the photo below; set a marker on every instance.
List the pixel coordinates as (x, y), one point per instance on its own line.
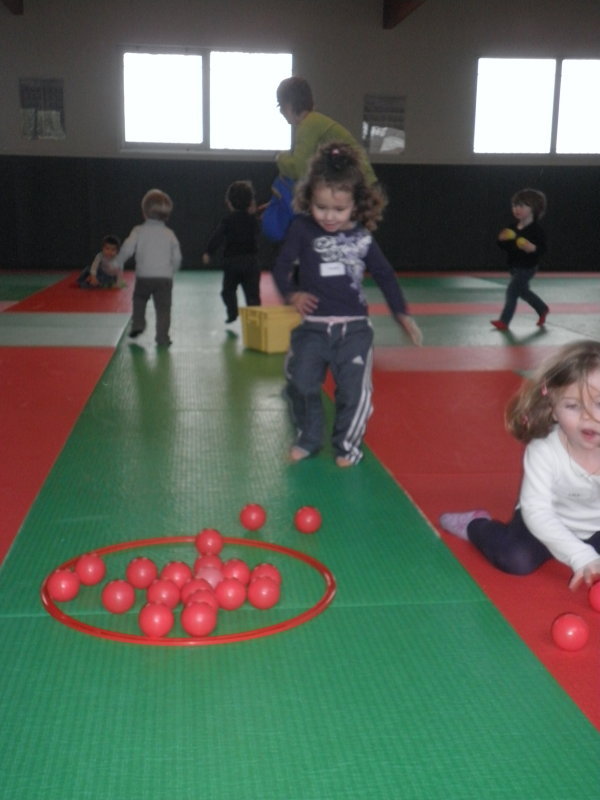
(180, 641)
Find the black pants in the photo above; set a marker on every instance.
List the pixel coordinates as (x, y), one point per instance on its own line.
(519, 287)
(240, 271)
(511, 546)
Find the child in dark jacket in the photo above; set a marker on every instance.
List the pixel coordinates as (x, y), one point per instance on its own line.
(524, 243)
(238, 233)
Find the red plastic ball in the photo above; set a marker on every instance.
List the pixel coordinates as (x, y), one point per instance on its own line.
(141, 571)
(263, 593)
(155, 620)
(193, 585)
(209, 542)
(63, 585)
(594, 596)
(177, 571)
(210, 560)
(230, 593)
(210, 575)
(164, 591)
(570, 632)
(253, 516)
(198, 619)
(118, 596)
(238, 569)
(266, 570)
(90, 568)
(204, 596)
(307, 519)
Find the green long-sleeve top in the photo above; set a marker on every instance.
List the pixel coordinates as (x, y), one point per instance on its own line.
(314, 130)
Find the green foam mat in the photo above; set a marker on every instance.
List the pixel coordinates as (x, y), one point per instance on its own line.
(409, 685)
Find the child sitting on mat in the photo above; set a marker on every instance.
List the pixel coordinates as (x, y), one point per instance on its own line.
(104, 272)
(557, 415)
(319, 271)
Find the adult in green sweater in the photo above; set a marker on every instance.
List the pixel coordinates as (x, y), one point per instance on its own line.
(312, 129)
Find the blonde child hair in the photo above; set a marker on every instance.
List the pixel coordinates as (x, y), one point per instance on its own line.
(530, 413)
(157, 204)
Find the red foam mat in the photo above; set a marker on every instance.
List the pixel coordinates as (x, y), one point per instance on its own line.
(43, 393)
(66, 296)
(441, 435)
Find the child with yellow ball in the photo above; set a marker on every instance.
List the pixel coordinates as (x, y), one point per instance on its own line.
(524, 243)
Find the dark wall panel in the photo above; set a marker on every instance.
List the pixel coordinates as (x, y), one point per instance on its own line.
(55, 211)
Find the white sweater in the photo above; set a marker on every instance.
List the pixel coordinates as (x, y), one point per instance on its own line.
(559, 501)
(156, 249)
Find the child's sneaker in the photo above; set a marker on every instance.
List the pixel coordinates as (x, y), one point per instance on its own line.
(135, 332)
(542, 319)
(458, 522)
(499, 325)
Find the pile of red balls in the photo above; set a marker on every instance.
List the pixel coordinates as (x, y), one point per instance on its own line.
(202, 590)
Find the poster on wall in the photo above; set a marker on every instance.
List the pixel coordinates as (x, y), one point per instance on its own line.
(383, 123)
(42, 108)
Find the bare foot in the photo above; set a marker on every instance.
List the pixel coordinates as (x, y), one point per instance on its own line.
(298, 453)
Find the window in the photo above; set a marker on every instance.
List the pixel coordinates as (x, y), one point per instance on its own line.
(579, 115)
(508, 117)
(204, 100)
(531, 105)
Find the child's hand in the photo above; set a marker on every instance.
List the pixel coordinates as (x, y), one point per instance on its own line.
(525, 245)
(205, 259)
(304, 302)
(587, 575)
(93, 281)
(506, 234)
(411, 328)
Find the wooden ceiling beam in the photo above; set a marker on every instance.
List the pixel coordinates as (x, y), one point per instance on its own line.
(394, 11)
(14, 6)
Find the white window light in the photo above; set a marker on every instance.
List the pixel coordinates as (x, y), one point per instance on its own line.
(164, 102)
(163, 98)
(243, 103)
(510, 118)
(578, 128)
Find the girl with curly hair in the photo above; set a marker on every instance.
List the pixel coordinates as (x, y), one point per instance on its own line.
(319, 271)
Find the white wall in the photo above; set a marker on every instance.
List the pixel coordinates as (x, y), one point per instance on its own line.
(340, 46)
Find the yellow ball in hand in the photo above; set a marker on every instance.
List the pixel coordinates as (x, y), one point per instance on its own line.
(521, 242)
(506, 234)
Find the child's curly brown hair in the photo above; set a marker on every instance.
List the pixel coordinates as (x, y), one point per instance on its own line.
(337, 165)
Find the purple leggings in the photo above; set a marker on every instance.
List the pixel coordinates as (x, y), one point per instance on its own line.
(512, 547)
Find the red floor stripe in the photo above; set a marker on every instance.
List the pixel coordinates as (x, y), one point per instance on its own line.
(65, 296)
(441, 436)
(478, 359)
(44, 391)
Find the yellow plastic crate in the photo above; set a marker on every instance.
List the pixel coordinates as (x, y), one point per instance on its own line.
(267, 328)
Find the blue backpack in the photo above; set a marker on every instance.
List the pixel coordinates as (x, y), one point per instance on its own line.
(278, 213)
